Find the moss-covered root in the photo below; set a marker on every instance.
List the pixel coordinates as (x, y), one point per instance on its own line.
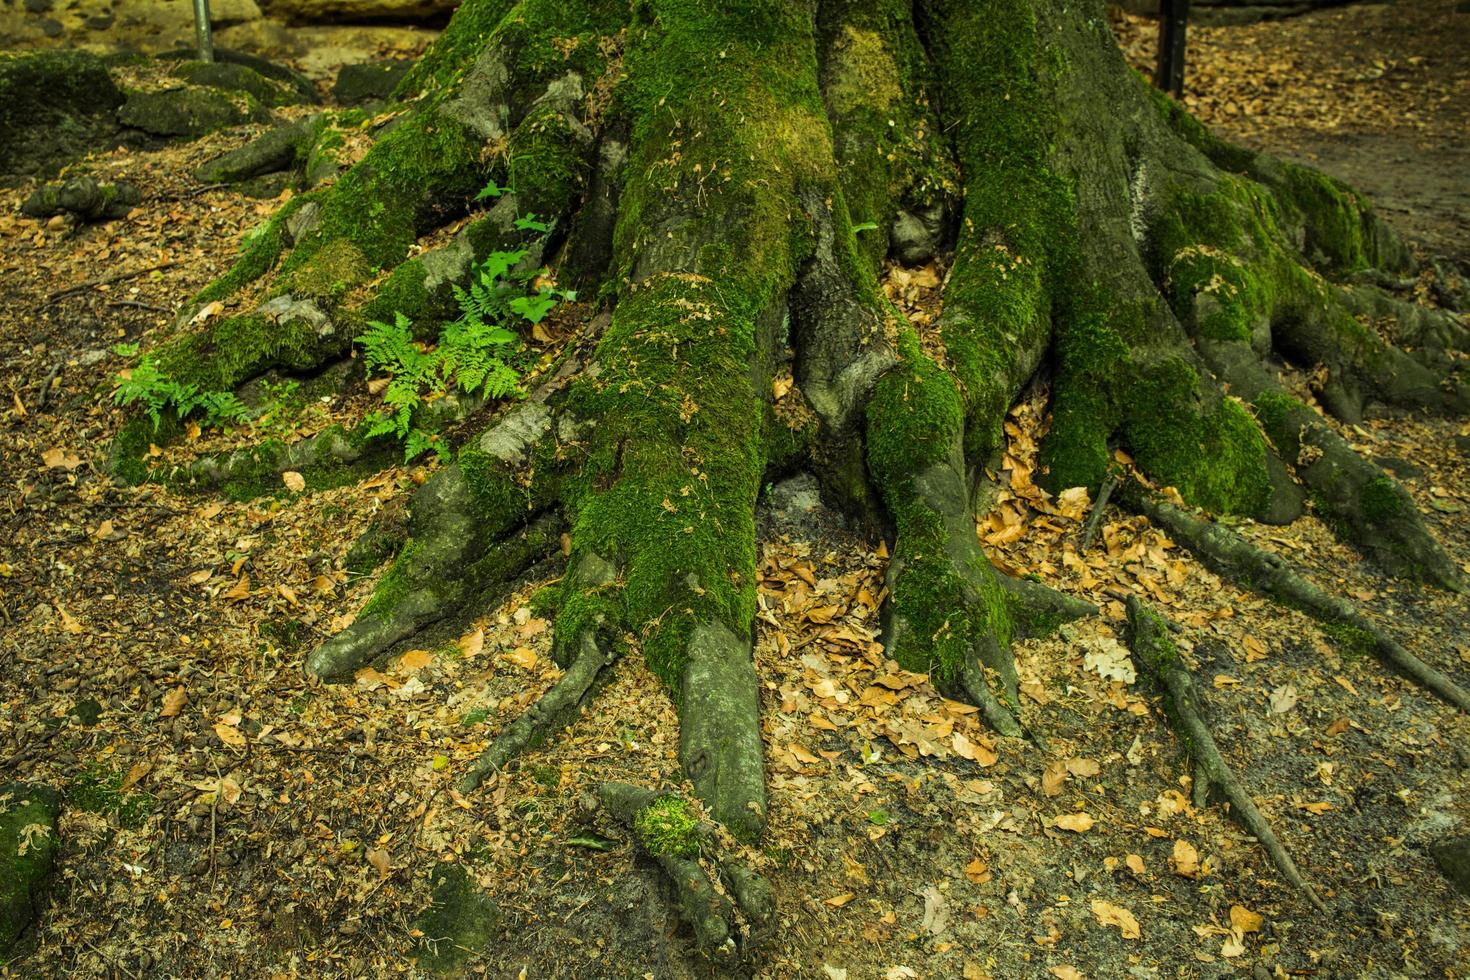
(457, 548)
(1156, 656)
(1230, 555)
(668, 831)
(1038, 609)
(947, 614)
(591, 650)
(1363, 504)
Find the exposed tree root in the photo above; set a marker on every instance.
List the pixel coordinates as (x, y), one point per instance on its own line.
(1157, 657)
(730, 179)
(1229, 554)
(560, 706)
(668, 833)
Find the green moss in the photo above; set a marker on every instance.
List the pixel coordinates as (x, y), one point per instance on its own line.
(914, 422)
(1151, 642)
(258, 256)
(548, 165)
(403, 292)
(1351, 640)
(99, 790)
(668, 828)
(1093, 368)
(1335, 221)
(1225, 155)
(395, 584)
(1215, 457)
(28, 848)
(238, 348)
(327, 276)
(1382, 499)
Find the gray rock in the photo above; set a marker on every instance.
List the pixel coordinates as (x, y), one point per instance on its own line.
(188, 112)
(917, 235)
(370, 82)
(277, 149)
(83, 197)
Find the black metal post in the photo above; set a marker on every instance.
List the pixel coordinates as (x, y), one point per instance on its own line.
(1173, 17)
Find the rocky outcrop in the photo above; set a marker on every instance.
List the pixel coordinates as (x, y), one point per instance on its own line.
(51, 104)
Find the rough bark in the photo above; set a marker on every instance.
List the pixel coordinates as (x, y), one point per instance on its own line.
(729, 179)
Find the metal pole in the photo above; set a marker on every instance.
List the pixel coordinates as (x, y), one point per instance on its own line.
(203, 33)
(1173, 18)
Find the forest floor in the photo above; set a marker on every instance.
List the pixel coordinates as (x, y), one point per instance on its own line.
(225, 818)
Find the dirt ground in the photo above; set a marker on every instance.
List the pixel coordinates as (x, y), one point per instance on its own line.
(226, 819)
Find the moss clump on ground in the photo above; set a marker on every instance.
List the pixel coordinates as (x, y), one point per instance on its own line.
(668, 827)
(99, 790)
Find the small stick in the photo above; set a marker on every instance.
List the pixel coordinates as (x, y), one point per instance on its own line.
(139, 305)
(1095, 518)
(46, 385)
(108, 280)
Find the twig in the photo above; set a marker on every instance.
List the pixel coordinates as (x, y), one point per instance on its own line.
(46, 385)
(108, 280)
(1095, 518)
(139, 305)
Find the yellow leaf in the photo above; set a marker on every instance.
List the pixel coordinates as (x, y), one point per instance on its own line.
(240, 590)
(802, 754)
(977, 871)
(1135, 863)
(1068, 973)
(104, 530)
(1075, 822)
(837, 901)
(69, 623)
(323, 585)
(294, 481)
(289, 594)
(174, 701)
(191, 431)
(211, 512)
(60, 459)
(1185, 859)
(1052, 778)
(1115, 915)
(229, 791)
(1244, 920)
(1316, 809)
(379, 859)
(414, 659)
(229, 734)
(523, 657)
(135, 774)
(472, 643)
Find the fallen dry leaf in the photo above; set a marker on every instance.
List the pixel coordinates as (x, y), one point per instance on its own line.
(1185, 859)
(1075, 822)
(294, 481)
(174, 701)
(523, 657)
(1115, 915)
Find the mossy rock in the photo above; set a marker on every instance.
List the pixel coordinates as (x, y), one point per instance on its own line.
(186, 112)
(373, 81)
(1453, 857)
(295, 81)
(461, 921)
(27, 855)
(84, 197)
(238, 78)
(53, 105)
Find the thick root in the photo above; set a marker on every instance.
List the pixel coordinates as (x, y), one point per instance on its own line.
(668, 833)
(947, 614)
(1228, 554)
(1157, 656)
(1361, 502)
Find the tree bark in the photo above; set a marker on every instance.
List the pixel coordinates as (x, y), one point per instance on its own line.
(729, 179)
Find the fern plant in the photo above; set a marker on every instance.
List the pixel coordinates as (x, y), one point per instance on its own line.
(472, 349)
(158, 393)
